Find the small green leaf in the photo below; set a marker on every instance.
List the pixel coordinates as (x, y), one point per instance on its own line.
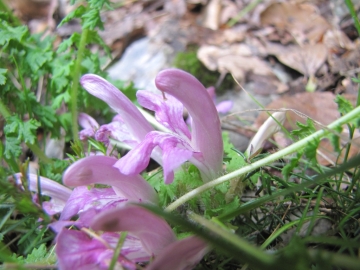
(344, 105)
(77, 13)
(304, 129)
(37, 58)
(2, 76)
(9, 33)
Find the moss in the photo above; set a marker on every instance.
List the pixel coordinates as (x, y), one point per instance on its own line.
(189, 62)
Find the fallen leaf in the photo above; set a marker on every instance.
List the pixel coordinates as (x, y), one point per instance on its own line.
(212, 14)
(337, 42)
(302, 21)
(306, 59)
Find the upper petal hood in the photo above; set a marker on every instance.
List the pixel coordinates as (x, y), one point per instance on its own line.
(102, 89)
(206, 129)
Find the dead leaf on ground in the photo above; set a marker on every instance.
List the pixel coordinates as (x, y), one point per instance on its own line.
(302, 21)
(212, 14)
(337, 42)
(347, 62)
(306, 59)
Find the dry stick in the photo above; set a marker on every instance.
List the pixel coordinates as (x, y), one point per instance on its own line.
(265, 161)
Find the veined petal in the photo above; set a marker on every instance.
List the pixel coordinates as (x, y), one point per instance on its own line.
(180, 255)
(59, 194)
(168, 112)
(77, 250)
(102, 89)
(100, 170)
(206, 129)
(175, 150)
(117, 131)
(154, 233)
(87, 203)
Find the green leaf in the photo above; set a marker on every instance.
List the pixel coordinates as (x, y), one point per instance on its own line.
(37, 254)
(304, 129)
(37, 58)
(9, 33)
(344, 105)
(77, 13)
(2, 76)
(293, 163)
(28, 130)
(24, 130)
(92, 19)
(74, 39)
(310, 151)
(12, 147)
(98, 4)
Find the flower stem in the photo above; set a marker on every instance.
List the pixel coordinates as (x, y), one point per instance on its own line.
(265, 161)
(75, 85)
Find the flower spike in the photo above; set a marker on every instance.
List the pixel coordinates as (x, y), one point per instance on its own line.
(206, 130)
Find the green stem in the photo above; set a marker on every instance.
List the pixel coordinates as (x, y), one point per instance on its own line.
(75, 85)
(117, 250)
(265, 161)
(353, 15)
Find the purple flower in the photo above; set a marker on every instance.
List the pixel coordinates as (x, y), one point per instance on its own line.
(79, 250)
(88, 124)
(202, 146)
(58, 193)
(108, 210)
(156, 237)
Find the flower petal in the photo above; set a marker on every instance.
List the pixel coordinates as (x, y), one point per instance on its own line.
(180, 255)
(87, 203)
(88, 124)
(58, 193)
(99, 169)
(168, 112)
(154, 233)
(117, 131)
(102, 89)
(175, 152)
(76, 250)
(206, 130)
(224, 106)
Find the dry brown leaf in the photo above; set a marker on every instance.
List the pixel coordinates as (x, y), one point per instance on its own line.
(337, 42)
(301, 20)
(306, 59)
(347, 62)
(212, 15)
